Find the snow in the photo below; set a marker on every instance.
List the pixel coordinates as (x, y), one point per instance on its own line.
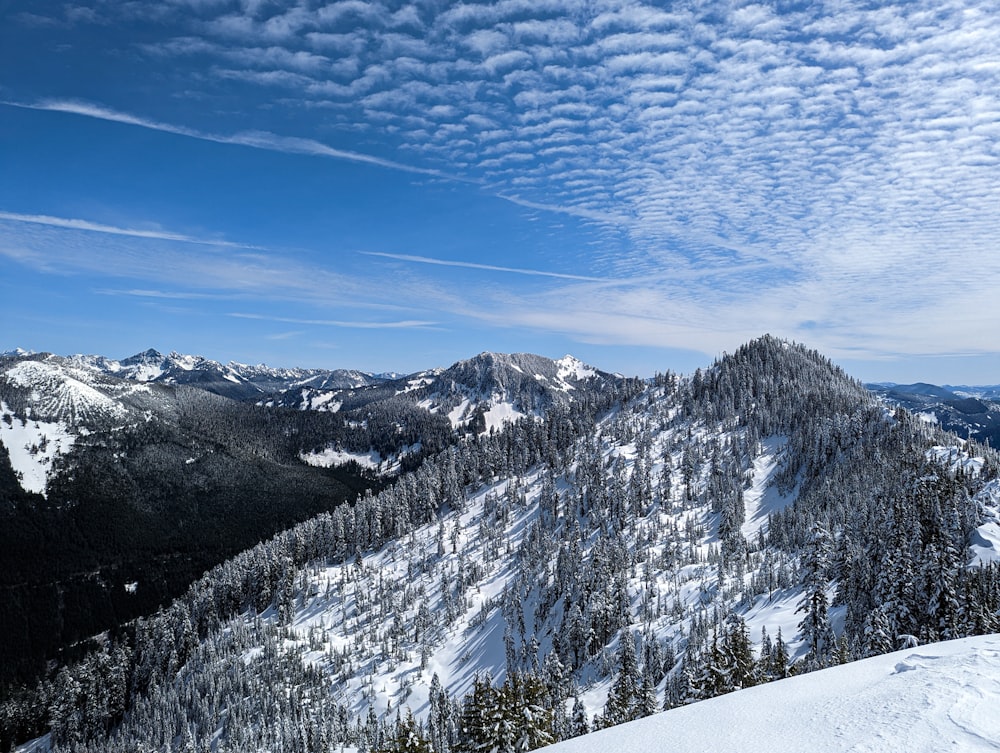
(39, 745)
(500, 414)
(573, 368)
(332, 457)
(984, 543)
(777, 611)
(312, 400)
(33, 446)
(955, 457)
(458, 415)
(186, 362)
(419, 381)
(147, 372)
(930, 698)
(62, 393)
(762, 498)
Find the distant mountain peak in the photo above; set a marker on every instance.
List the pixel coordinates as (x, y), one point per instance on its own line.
(17, 352)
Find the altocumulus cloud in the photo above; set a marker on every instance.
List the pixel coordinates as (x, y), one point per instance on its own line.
(839, 151)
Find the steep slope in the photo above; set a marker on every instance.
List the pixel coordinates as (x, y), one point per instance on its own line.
(491, 389)
(582, 568)
(935, 697)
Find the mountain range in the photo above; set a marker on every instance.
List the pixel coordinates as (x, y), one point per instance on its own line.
(968, 411)
(153, 468)
(535, 548)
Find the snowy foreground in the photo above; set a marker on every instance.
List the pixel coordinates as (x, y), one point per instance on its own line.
(942, 696)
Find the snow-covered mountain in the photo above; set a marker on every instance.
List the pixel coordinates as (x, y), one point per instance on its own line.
(107, 481)
(574, 569)
(477, 394)
(482, 392)
(234, 380)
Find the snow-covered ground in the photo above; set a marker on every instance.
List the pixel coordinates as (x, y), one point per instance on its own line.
(932, 698)
(332, 457)
(762, 498)
(33, 446)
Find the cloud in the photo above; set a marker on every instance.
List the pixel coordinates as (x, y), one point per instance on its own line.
(748, 168)
(485, 267)
(165, 294)
(404, 324)
(254, 139)
(95, 227)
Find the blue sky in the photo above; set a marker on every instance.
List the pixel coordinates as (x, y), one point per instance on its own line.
(397, 185)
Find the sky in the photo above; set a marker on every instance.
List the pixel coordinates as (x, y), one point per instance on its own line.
(395, 185)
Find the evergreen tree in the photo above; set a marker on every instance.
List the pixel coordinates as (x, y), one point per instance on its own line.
(579, 724)
(624, 692)
(877, 635)
(779, 664)
(406, 737)
(738, 654)
(815, 628)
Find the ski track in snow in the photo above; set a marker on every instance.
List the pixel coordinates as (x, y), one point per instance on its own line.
(932, 698)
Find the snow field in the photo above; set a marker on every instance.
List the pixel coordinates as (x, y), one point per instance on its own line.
(941, 696)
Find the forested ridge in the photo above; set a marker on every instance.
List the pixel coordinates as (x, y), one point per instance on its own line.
(575, 569)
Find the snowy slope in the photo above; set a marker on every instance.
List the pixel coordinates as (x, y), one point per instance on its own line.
(460, 568)
(33, 446)
(56, 390)
(937, 697)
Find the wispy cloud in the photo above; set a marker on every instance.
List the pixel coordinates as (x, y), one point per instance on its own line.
(166, 294)
(351, 324)
(96, 227)
(253, 139)
(486, 267)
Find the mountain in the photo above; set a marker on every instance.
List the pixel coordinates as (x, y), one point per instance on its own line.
(485, 390)
(925, 699)
(234, 380)
(665, 544)
(972, 412)
(150, 469)
(106, 481)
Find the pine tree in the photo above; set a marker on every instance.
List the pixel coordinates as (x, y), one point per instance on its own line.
(646, 702)
(579, 724)
(624, 692)
(779, 665)
(738, 653)
(877, 635)
(406, 737)
(815, 627)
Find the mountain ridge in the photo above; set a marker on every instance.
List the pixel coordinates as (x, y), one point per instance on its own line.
(583, 567)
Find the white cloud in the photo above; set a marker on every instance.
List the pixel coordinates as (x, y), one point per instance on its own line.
(350, 324)
(254, 139)
(486, 267)
(842, 155)
(96, 227)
